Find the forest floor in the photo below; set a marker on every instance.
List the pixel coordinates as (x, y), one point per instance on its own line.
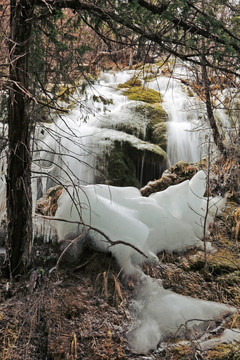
(81, 310)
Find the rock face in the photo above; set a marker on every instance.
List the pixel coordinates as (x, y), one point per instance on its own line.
(137, 139)
(130, 162)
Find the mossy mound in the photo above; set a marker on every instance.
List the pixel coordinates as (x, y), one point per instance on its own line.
(154, 113)
(134, 90)
(140, 93)
(131, 164)
(134, 81)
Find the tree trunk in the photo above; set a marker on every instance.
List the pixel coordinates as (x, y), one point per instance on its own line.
(211, 118)
(19, 199)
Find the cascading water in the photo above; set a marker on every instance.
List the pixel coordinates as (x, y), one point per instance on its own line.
(186, 139)
(66, 150)
(69, 149)
(79, 137)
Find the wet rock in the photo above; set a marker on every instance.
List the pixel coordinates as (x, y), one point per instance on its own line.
(47, 205)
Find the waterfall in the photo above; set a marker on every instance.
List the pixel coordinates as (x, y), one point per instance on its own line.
(67, 148)
(95, 123)
(186, 139)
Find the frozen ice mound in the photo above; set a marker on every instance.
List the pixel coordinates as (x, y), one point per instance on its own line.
(169, 220)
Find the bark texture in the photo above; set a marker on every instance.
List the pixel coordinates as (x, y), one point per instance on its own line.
(211, 118)
(19, 202)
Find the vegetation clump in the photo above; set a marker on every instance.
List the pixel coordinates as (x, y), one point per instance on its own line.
(135, 91)
(133, 82)
(159, 134)
(140, 93)
(154, 113)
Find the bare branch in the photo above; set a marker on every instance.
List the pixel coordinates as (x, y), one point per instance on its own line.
(111, 242)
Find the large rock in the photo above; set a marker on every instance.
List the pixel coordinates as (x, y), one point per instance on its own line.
(134, 140)
(129, 161)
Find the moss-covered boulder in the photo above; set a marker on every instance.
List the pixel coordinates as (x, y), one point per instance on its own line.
(121, 166)
(145, 121)
(150, 110)
(155, 117)
(134, 90)
(141, 93)
(154, 113)
(130, 161)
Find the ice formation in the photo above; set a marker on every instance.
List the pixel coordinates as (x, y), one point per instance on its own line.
(228, 336)
(168, 220)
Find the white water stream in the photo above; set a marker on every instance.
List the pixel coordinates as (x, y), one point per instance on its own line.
(186, 134)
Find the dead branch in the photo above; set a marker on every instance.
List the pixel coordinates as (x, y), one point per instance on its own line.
(111, 242)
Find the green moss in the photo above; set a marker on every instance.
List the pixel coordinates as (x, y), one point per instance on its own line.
(225, 352)
(121, 166)
(134, 81)
(140, 93)
(124, 166)
(154, 113)
(159, 135)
